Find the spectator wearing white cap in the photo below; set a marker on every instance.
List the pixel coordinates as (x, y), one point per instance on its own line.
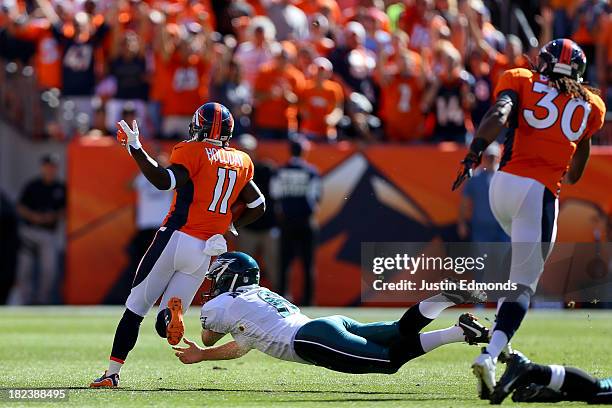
(353, 63)
(258, 50)
(475, 216)
(321, 103)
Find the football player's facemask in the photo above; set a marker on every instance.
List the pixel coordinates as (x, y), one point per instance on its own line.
(230, 271)
(212, 123)
(562, 57)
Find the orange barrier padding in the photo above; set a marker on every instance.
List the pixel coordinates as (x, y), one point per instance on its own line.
(374, 193)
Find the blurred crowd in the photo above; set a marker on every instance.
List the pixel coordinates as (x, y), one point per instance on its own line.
(366, 70)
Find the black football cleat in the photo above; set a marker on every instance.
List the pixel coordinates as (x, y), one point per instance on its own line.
(517, 365)
(461, 296)
(474, 332)
(604, 396)
(536, 393)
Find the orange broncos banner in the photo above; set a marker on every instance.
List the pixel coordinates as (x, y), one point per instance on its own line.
(378, 193)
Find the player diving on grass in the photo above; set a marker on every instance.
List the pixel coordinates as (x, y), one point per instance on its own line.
(260, 319)
(551, 116)
(533, 382)
(208, 178)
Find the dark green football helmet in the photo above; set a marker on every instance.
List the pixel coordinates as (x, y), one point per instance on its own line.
(230, 271)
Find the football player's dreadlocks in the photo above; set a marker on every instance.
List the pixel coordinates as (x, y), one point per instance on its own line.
(572, 87)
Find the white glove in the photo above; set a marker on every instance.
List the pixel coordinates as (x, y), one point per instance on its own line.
(127, 136)
(215, 245)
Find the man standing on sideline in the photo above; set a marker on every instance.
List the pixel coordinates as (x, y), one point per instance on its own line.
(475, 216)
(260, 238)
(297, 189)
(41, 207)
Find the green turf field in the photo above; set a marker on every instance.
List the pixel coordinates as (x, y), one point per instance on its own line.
(67, 347)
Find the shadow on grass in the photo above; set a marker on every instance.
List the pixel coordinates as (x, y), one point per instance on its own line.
(393, 396)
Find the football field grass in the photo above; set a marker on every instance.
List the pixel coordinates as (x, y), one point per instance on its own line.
(66, 347)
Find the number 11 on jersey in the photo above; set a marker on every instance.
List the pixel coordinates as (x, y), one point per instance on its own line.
(222, 174)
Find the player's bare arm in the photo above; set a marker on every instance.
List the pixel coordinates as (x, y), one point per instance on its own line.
(209, 337)
(579, 161)
(255, 204)
(495, 120)
(195, 354)
(162, 178)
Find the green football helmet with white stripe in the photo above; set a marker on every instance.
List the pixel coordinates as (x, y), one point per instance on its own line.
(230, 271)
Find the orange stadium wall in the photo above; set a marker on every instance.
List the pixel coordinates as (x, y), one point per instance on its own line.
(375, 193)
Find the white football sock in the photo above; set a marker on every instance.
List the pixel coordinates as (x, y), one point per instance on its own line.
(433, 306)
(433, 339)
(114, 367)
(498, 341)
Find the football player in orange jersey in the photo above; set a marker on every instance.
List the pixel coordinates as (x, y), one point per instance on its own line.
(208, 178)
(552, 117)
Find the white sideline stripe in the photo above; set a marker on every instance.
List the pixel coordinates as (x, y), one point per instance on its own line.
(342, 352)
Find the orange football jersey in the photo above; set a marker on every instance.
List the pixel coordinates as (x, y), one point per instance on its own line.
(550, 125)
(400, 109)
(202, 208)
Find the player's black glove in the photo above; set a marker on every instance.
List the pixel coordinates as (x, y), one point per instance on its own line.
(470, 162)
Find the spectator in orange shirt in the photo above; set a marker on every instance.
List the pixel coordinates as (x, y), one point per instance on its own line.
(401, 91)
(321, 103)
(397, 47)
(415, 21)
(186, 60)
(276, 87)
(47, 61)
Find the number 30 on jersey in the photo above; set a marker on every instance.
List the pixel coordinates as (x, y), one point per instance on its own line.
(552, 112)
